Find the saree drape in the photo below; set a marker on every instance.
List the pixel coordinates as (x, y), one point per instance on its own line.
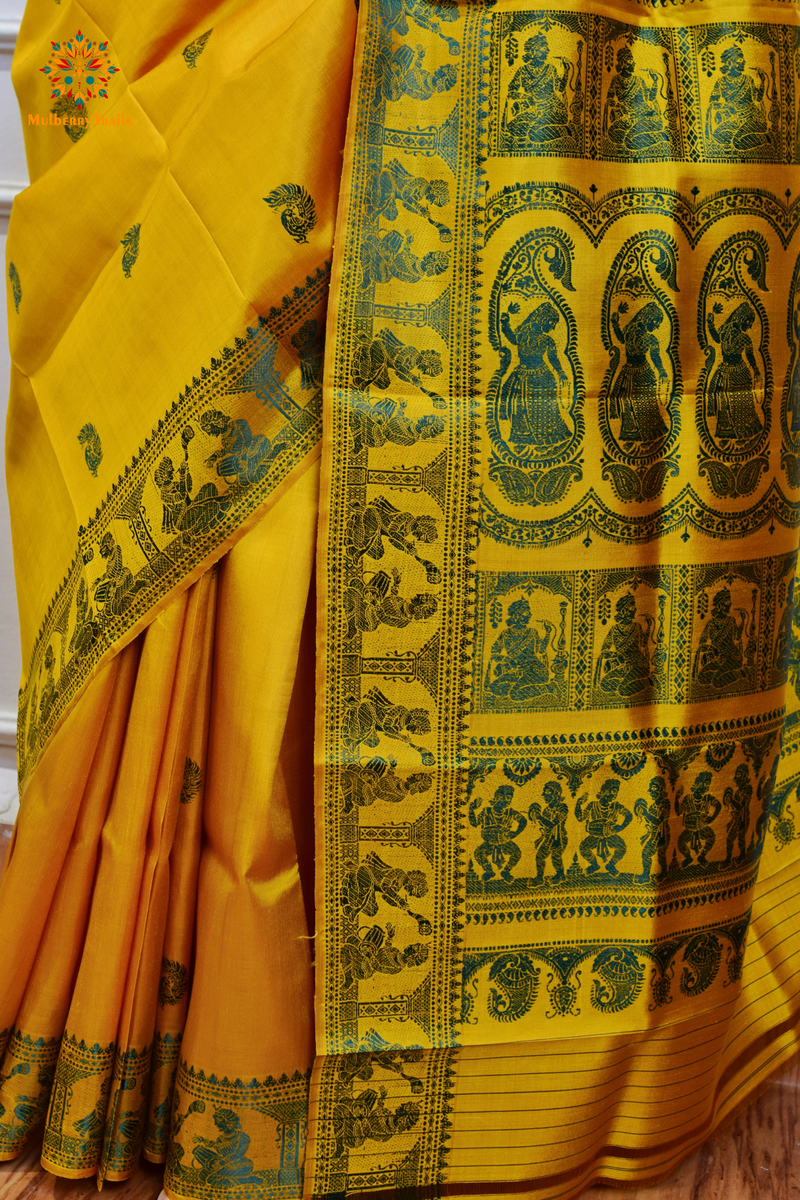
(467, 862)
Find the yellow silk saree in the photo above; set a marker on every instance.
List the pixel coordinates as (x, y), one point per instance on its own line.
(404, 454)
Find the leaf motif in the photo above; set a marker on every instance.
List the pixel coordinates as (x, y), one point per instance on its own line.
(624, 481)
(720, 477)
(757, 267)
(792, 466)
(748, 477)
(515, 485)
(192, 779)
(552, 485)
(655, 477)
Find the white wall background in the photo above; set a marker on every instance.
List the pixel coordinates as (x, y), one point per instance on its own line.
(13, 177)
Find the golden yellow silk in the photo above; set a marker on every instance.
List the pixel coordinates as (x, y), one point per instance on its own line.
(548, 735)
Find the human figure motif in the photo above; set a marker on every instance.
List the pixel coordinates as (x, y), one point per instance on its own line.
(738, 802)
(309, 342)
(624, 666)
(50, 692)
(731, 388)
(87, 628)
(736, 120)
(634, 395)
(394, 188)
(396, 14)
(399, 72)
(529, 398)
(720, 657)
(552, 819)
(373, 952)
(116, 587)
(783, 636)
(361, 1065)
(243, 457)
(365, 1116)
(175, 493)
(632, 116)
(363, 784)
(605, 819)
(536, 108)
(374, 878)
(499, 824)
(370, 602)
(698, 809)
(794, 387)
(655, 838)
(374, 359)
(366, 719)
(766, 788)
(223, 1160)
(367, 526)
(385, 420)
(519, 667)
(389, 256)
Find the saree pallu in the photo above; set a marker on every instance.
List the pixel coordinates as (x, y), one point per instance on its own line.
(554, 889)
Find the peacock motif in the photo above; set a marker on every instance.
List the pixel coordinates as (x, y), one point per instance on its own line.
(89, 438)
(192, 779)
(192, 52)
(299, 215)
(173, 983)
(16, 286)
(517, 981)
(131, 244)
(620, 982)
(701, 961)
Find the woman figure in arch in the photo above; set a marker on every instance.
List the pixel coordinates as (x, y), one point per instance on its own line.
(529, 398)
(635, 392)
(731, 390)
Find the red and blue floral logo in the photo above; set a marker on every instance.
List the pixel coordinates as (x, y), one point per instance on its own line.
(79, 69)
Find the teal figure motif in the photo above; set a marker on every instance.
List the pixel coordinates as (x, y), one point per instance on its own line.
(731, 389)
(374, 358)
(698, 809)
(244, 457)
(370, 602)
(641, 390)
(621, 979)
(373, 952)
(90, 1128)
(192, 52)
(89, 438)
(605, 819)
(16, 286)
(131, 251)
(516, 986)
(794, 390)
(725, 645)
(534, 405)
(373, 879)
(365, 1117)
(399, 72)
(737, 801)
(298, 212)
(309, 342)
(116, 587)
(174, 982)
(764, 796)
(632, 116)
(635, 397)
(222, 1162)
(790, 407)
(191, 782)
(395, 188)
(624, 666)
(783, 635)
(369, 524)
(655, 817)
(175, 493)
(536, 113)
(389, 256)
(362, 784)
(531, 396)
(365, 720)
(87, 628)
(552, 820)
(375, 1052)
(499, 825)
(733, 412)
(385, 420)
(736, 120)
(49, 694)
(396, 14)
(520, 667)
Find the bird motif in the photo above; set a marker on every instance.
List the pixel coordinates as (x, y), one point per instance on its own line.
(89, 438)
(131, 244)
(16, 286)
(192, 52)
(299, 215)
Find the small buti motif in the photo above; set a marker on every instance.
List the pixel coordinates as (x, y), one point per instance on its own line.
(173, 983)
(131, 253)
(16, 286)
(192, 52)
(89, 438)
(192, 779)
(299, 215)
